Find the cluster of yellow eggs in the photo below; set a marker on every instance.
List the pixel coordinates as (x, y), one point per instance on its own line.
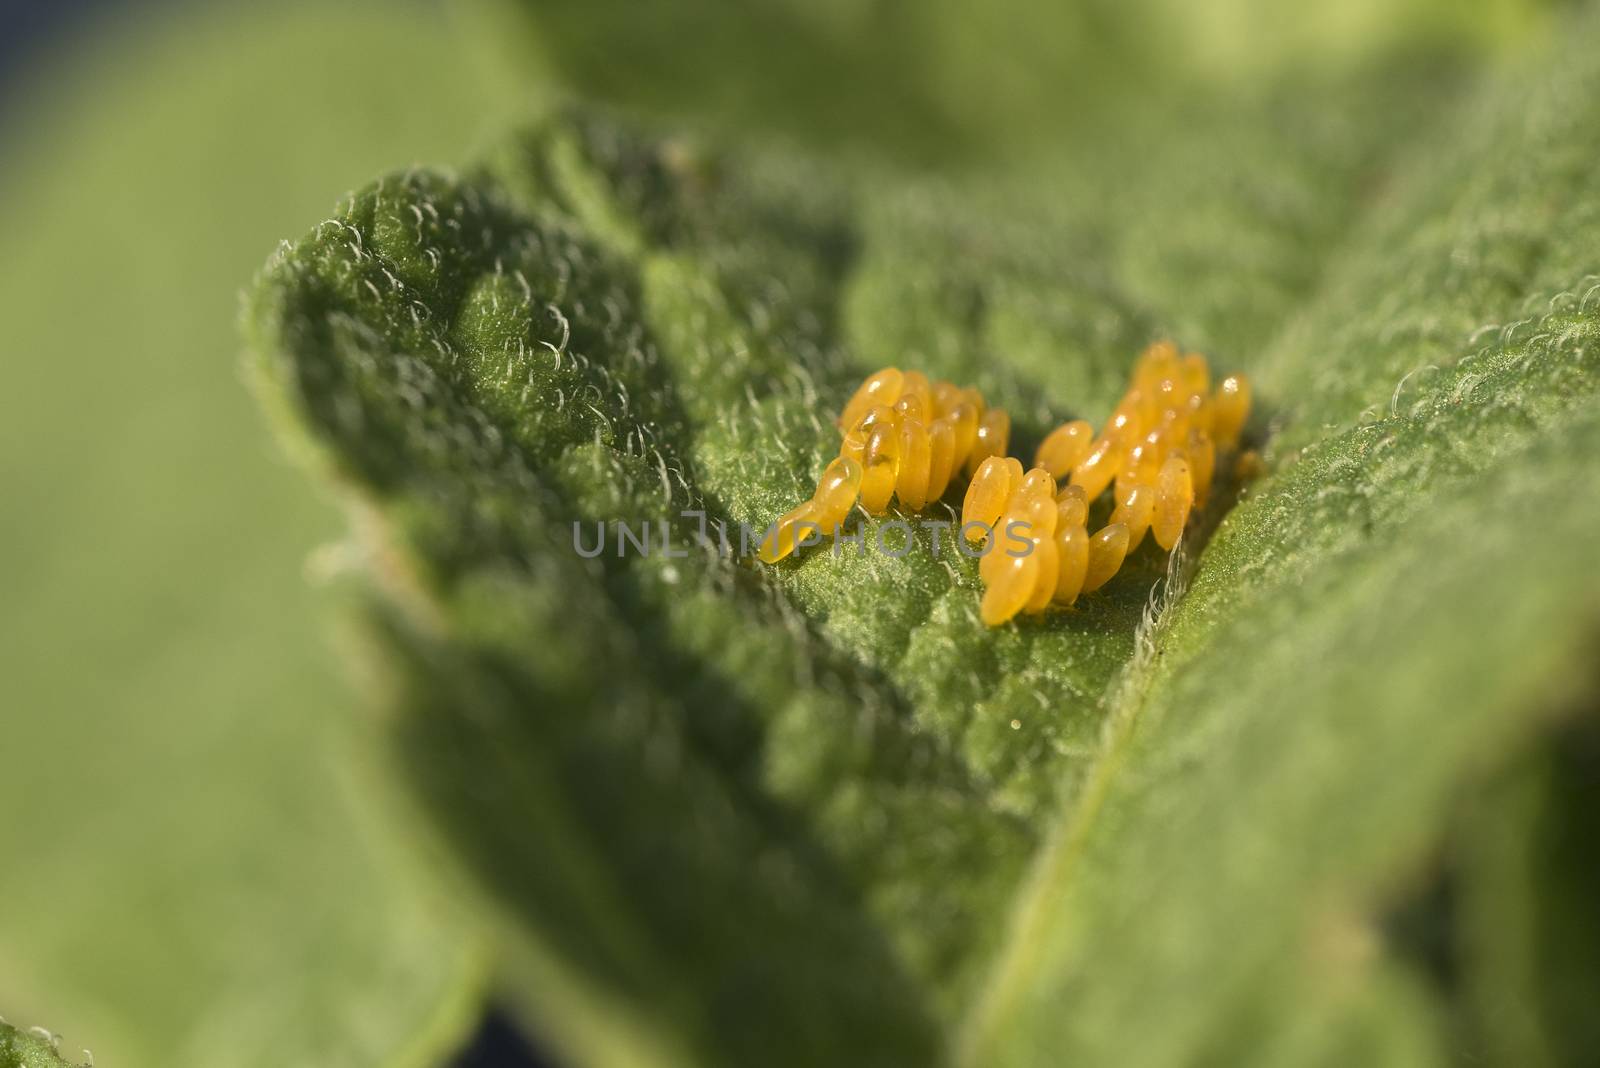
(1040, 551)
(907, 438)
(1157, 452)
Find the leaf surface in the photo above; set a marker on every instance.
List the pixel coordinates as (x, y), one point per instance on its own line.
(821, 800)
(30, 1049)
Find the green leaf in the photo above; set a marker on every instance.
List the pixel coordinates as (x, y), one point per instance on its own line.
(27, 1049)
(817, 812)
(192, 871)
(1527, 931)
(1379, 618)
(921, 81)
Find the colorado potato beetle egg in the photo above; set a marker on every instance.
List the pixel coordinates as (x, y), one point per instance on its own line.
(987, 495)
(1096, 470)
(1135, 510)
(916, 459)
(1170, 411)
(1034, 523)
(1202, 454)
(1107, 548)
(941, 456)
(1044, 584)
(1231, 408)
(992, 436)
(1159, 451)
(882, 467)
(780, 541)
(907, 438)
(1174, 499)
(904, 437)
(1065, 448)
(1072, 562)
(836, 491)
(1010, 588)
(881, 388)
(1072, 507)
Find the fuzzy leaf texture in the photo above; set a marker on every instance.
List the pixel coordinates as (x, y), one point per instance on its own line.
(818, 813)
(28, 1049)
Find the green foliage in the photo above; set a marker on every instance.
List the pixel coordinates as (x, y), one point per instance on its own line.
(1320, 796)
(188, 875)
(819, 801)
(1526, 924)
(1379, 620)
(27, 1049)
(927, 82)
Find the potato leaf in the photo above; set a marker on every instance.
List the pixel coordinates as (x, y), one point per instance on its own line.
(817, 812)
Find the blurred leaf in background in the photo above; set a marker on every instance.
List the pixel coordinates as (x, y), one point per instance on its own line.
(186, 875)
(817, 813)
(1529, 875)
(943, 81)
